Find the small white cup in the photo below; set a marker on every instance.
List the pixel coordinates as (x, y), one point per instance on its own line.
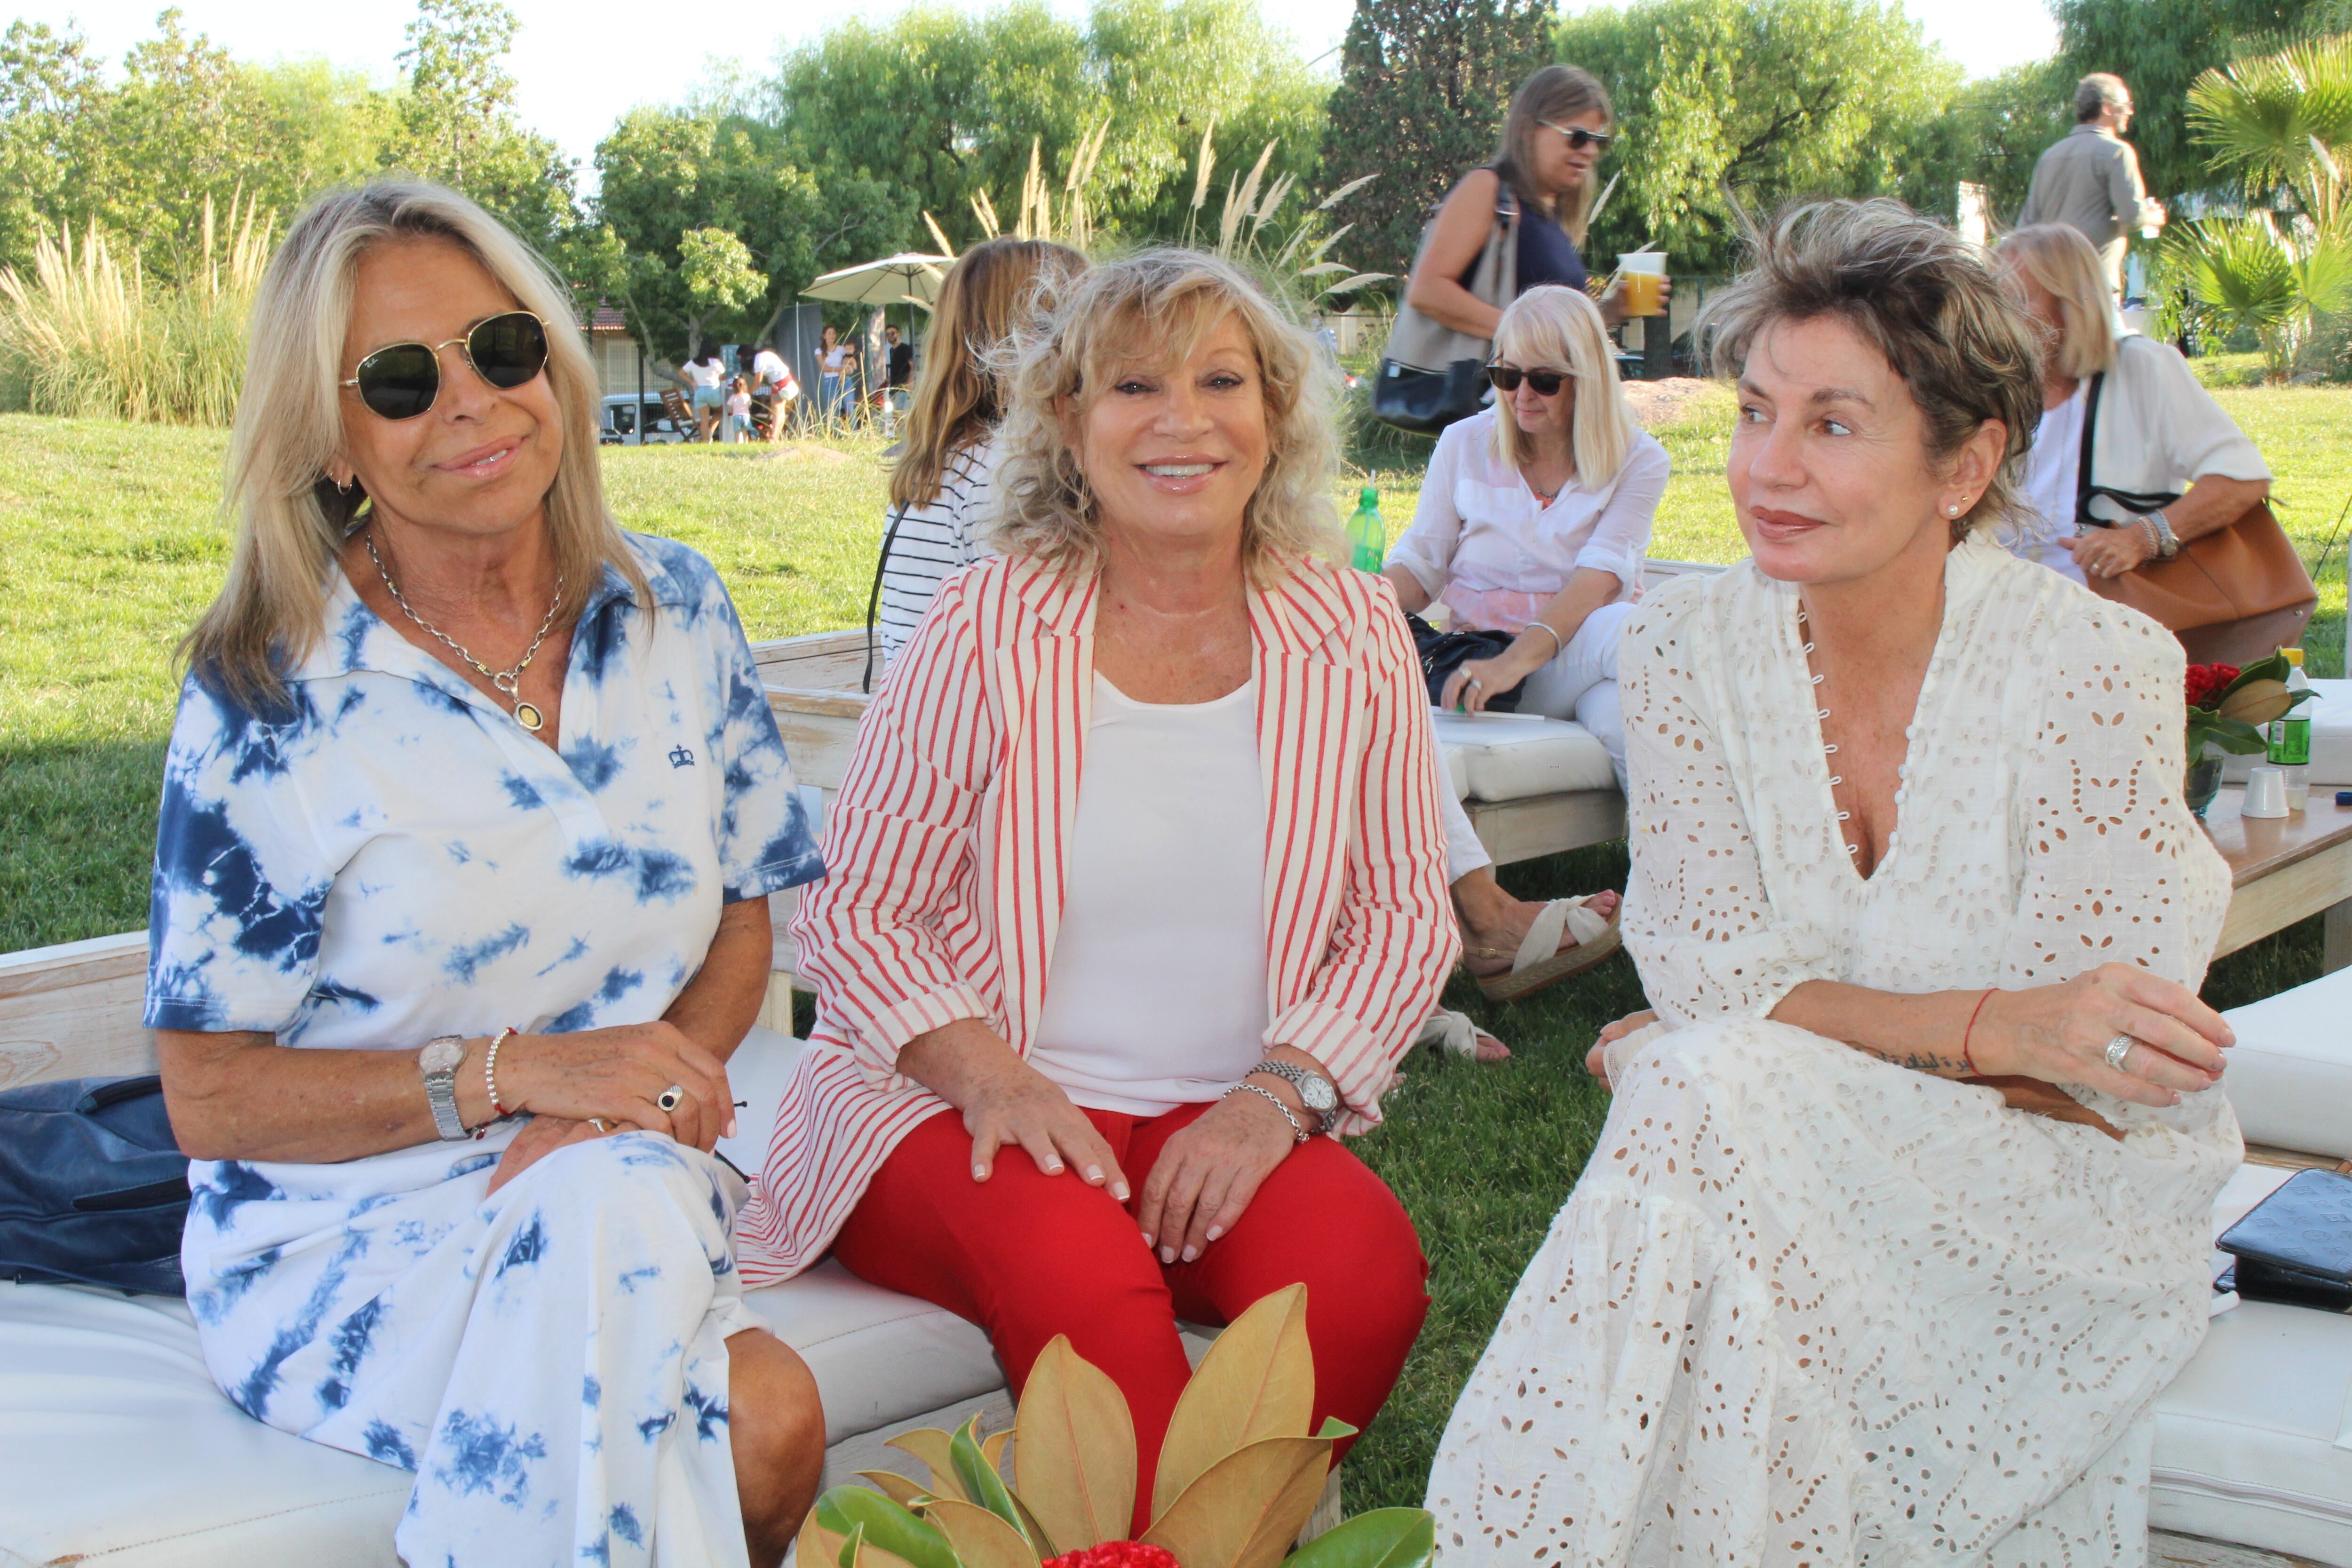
(2266, 793)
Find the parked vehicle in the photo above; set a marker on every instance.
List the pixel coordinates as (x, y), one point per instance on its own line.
(627, 421)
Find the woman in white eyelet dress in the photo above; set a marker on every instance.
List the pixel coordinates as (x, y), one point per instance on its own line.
(1825, 1303)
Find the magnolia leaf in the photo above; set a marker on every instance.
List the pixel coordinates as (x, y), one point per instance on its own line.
(981, 1539)
(992, 1448)
(984, 1486)
(1077, 1449)
(1257, 1381)
(2256, 701)
(895, 1487)
(885, 1525)
(933, 1446)
(1384, 1538)
(1248, 1507)
(817, 1545)
(2232, 736)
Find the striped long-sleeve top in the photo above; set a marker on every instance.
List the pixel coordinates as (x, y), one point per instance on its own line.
(947, 852)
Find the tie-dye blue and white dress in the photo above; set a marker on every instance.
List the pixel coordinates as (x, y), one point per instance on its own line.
(393, 858)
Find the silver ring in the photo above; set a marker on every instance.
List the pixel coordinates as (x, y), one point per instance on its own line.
(2118, 1049)
(1473, 681)
(668, 1099)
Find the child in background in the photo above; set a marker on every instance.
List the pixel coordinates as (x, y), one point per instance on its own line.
(739, 411)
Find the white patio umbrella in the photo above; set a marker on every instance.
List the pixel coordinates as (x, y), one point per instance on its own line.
(905, 278)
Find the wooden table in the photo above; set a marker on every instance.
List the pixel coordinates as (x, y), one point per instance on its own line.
(2284, 869)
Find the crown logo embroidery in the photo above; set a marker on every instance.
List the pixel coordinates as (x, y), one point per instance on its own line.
(679, 757)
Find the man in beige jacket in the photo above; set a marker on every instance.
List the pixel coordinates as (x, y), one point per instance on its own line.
(2090, 179)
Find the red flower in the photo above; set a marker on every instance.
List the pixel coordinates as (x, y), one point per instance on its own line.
(2206, 682)
(1116, 1555)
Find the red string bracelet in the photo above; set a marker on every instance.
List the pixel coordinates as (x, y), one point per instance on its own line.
(1966, 1059)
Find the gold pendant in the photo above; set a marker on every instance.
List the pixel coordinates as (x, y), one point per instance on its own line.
(528, 717)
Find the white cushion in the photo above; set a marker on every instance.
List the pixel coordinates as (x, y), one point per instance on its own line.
(2290, 1075)
(115, 1446)
(2331, 738)
(1506, 757)
(2253, 1439)
(1458, 772)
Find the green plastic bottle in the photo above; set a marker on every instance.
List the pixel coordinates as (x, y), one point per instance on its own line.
(1368, 534)
(2290, 737)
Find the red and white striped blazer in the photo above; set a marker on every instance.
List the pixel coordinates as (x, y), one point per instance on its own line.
(946, 852)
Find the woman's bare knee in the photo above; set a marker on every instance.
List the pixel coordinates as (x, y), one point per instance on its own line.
(776, 1421)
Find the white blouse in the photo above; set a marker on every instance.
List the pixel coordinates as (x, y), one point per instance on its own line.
(1156, 996)
(1482, 541)
(2050, 489)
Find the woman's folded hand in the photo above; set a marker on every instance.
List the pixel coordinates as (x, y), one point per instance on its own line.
(540, 1137)
(2060, 1034)
(1208, 1172)
(1596, 1060)
(620, 1074)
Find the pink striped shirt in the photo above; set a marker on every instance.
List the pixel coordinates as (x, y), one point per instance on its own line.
(946, 852)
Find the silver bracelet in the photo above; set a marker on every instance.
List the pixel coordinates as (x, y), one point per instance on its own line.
(1542, 627)
(2160, 534)
(1298, 1133)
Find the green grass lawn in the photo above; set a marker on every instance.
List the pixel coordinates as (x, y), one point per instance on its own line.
(109, 544)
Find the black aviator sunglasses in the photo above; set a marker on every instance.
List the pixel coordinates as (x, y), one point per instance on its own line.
(401, 381)
(1579, 138)
(1547, 383)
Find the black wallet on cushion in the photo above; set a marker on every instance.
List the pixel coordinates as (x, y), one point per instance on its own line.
(2295, 1246)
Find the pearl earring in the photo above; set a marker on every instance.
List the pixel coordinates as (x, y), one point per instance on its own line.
(1953, 509)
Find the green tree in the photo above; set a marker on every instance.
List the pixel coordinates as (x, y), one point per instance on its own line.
(716, 269)
(457, 122)
(1732, 104)
(664, 172)
(939, 105)
(2159, 47)
(1423, 85)
(49, 87)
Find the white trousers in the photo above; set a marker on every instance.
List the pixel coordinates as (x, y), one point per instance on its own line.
(1580, 683)
(551, 1360)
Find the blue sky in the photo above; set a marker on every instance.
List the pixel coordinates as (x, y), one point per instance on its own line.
(579, 63)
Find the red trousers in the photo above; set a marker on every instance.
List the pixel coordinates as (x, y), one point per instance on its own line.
(1027, 1256)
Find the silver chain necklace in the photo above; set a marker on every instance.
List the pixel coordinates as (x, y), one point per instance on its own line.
(507, 681)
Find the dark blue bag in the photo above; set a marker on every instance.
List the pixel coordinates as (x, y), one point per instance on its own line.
(93, 1188)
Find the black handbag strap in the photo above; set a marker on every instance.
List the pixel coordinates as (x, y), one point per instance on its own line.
(874, 598)
(2086, 488)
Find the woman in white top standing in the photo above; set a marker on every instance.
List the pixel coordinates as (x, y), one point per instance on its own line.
(939, 488)
(1533, 521)
(704, 377)
(2159, 433)
(833, 391)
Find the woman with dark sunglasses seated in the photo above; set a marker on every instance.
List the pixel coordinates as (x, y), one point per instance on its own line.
(1534, 518)
(1558, 126)
(474, 800)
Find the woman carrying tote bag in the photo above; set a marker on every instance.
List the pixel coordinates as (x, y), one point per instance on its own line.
(1507, 227)
(2145, 490)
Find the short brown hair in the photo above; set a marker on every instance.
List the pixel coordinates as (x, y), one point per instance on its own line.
(955, 401)
(2096, 91)
(1924, 298)
(1556, 94)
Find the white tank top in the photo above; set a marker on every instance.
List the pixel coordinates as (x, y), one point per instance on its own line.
(1157, 994)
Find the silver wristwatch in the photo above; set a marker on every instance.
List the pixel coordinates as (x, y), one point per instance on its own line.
(2160, 528)
(438, 1061)
(1314, 1090)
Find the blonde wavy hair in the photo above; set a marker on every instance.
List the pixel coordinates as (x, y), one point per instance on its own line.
(2056, 257)
(1151, 310)
(288, 519)
(1551, 327)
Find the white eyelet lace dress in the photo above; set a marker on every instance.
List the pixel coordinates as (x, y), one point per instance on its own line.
(1806, 1305)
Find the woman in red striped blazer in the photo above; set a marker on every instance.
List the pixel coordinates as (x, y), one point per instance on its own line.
(1137, 882)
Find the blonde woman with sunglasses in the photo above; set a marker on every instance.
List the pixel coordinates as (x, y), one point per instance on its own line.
(1534, 518)
(466, 806)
